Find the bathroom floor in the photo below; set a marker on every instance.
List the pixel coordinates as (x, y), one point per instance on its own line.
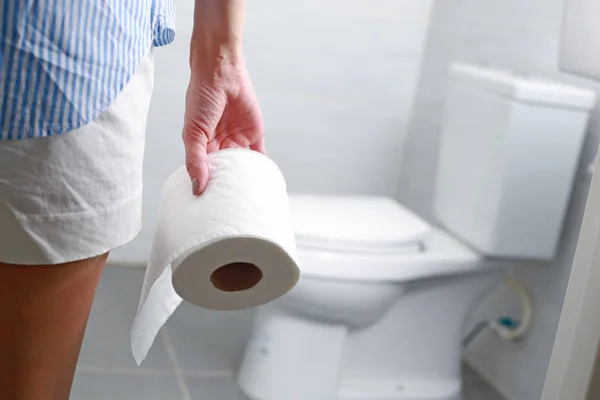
(193, 357)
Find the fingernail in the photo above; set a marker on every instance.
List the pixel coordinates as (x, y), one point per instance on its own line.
(195, 186)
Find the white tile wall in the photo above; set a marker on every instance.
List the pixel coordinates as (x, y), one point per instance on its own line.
(335, 80)
(523, 35)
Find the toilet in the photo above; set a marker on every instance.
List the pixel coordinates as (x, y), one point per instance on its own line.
(379, 310)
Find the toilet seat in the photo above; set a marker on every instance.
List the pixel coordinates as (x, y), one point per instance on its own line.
(373, 239)
(356, 224)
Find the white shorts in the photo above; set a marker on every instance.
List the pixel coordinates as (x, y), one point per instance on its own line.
(79, 194)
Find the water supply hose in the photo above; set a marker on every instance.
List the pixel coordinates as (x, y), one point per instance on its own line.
(507, 328)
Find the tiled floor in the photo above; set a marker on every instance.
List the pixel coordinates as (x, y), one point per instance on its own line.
(189, 361)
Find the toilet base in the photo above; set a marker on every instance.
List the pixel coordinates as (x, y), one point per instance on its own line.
(413, 352)
(293, 358)
(300, 358)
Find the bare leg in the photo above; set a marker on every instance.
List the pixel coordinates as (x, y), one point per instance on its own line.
(43, 315)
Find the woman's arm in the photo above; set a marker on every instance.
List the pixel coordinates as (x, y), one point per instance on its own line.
(217, 34)
(221, 108)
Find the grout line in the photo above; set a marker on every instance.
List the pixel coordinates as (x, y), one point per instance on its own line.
(166, 339)
(207, 374)
(188, 373)
(91, 370)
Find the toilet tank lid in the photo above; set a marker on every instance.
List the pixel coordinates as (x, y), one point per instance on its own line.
(524, 87)
(355, 223)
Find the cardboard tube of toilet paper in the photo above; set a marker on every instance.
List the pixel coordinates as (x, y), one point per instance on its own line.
(231, 248)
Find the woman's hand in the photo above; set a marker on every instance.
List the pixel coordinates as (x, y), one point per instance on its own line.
(221, 112)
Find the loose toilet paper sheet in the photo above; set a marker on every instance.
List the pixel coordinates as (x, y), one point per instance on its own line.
(242, 217)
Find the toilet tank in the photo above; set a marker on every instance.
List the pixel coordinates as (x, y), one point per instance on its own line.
(509, 152)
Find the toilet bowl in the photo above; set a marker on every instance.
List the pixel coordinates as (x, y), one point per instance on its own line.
(379, 310)
(350, 286)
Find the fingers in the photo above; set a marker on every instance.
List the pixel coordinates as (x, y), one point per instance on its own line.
(196, 149)
(259, 146)
(196, 164)
(231, 144)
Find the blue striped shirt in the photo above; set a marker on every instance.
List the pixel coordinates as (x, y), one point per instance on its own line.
(63, 62)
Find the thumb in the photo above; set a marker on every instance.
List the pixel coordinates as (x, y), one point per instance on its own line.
(196, 163)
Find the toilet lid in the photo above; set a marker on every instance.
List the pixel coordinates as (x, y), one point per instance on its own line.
(345, 223)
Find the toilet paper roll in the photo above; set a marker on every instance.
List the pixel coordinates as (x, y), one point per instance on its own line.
(231, 248)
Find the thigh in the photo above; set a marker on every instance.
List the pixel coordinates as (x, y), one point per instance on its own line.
(43, 314)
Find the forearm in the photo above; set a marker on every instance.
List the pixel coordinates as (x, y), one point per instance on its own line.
(217, 34)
